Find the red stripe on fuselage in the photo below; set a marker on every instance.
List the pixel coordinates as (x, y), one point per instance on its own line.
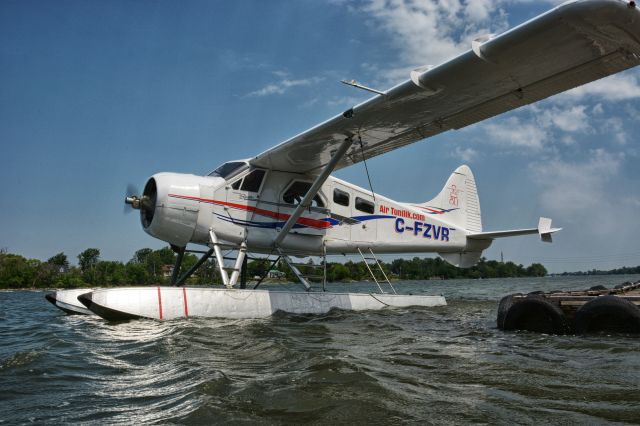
(314, 223)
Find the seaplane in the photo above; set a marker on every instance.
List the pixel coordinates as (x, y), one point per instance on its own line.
(285, 202)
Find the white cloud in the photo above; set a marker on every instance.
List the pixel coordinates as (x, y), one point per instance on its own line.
(617, 87)
(310, 102)
(572, 119)
(614, 126)
(576, 187)
(568, 140)
(632, 201)
(554, 2)
(479, 10)
(467, 155)
(597, 109)
(282, 86)
(433, 31)
(345, 101)
(512, 132)
(429, 32)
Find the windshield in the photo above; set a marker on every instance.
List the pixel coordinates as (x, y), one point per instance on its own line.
(228, 169)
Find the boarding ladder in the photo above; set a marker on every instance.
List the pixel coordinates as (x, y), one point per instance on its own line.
(375, 262)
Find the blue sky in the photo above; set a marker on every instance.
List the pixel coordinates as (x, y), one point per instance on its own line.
(94, 95)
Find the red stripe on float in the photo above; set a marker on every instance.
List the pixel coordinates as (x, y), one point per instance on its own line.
(184, 298)
(159, 302)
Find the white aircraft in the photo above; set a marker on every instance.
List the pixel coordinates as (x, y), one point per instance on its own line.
(284, 202)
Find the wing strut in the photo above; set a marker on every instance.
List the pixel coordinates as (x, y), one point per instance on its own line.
(315, 187)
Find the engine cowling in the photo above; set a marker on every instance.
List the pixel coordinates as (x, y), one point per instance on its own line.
(169, 206)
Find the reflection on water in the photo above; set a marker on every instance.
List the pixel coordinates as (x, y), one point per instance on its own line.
(417, 365)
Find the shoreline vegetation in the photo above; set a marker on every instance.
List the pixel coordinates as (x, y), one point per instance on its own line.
(154, 267)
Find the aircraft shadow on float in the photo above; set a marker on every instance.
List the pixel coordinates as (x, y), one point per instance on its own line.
(284, 203)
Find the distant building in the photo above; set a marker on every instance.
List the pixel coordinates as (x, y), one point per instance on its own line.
(167, 271)
(274, 273)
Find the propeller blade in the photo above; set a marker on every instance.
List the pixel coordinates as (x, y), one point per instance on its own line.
(132, 190)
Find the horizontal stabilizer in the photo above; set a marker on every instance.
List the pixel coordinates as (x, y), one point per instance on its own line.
(544, 229)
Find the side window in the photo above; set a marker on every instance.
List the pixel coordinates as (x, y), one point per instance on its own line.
(364, 205)
(252, 181)
(236, 184)
(340, 197)
(295, 193)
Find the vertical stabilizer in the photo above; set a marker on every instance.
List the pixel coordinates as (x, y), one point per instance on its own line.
(459, 201)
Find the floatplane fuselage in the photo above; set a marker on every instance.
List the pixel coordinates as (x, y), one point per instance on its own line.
(241, 204)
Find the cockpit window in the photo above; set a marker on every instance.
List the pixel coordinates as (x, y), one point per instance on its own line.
(295, 193)
(253, 180)
(229, 169)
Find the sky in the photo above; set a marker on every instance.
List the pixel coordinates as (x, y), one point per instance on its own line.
(95, 95)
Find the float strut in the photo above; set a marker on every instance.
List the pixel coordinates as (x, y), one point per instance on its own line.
(243, 273)
(197, 265)
(176, 267)
(219, 257)
(235, 274)
(266, 272)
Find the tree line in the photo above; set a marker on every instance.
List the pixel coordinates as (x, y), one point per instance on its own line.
(146, 267)
(154, 267)
(625, 270)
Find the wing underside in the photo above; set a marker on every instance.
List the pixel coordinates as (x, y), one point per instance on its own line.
(573, 44)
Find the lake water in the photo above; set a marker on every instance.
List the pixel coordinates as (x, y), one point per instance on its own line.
(445, 365)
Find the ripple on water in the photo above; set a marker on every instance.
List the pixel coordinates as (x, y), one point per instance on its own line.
(19, 359)
(412, 365)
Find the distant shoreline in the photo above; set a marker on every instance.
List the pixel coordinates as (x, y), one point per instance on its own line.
(287, 282)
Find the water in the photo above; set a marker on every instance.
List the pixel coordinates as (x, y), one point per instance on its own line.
(441, 365)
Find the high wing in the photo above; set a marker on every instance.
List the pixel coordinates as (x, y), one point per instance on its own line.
(575, 43)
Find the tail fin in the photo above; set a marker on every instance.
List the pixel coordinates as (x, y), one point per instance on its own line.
(459, 200)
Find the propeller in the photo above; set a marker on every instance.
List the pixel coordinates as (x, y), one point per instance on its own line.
(132, 199)
(136, 201)
(132, 189)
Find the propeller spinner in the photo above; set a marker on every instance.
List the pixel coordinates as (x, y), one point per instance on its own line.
(145, 202)
(131, 200)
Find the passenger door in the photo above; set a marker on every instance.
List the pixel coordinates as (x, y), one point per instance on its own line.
(363, 210)
(340, 211)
